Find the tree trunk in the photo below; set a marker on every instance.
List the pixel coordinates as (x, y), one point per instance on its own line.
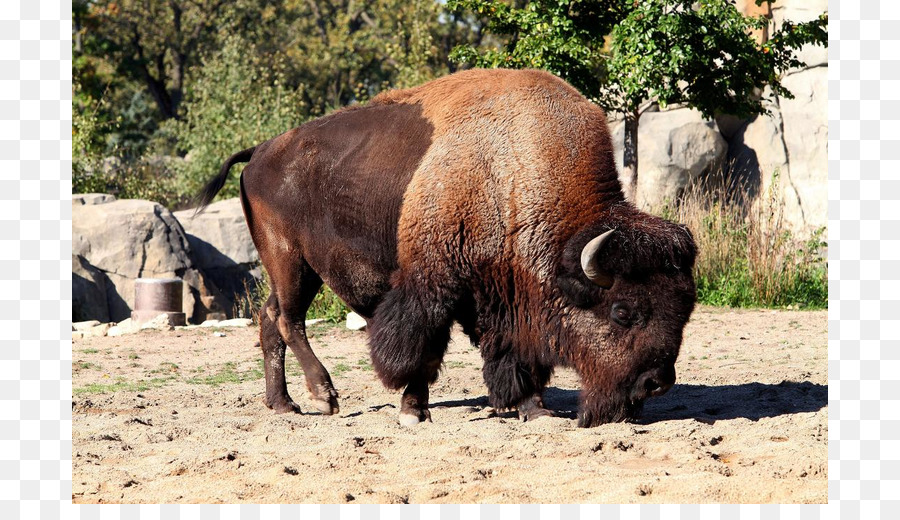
(630, 154)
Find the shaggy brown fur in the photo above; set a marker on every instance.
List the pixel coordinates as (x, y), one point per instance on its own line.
(469, 199)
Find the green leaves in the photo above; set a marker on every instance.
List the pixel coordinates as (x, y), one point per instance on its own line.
(565, 37)
(622, 53)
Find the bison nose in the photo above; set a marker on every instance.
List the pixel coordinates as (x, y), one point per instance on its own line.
(654, 383)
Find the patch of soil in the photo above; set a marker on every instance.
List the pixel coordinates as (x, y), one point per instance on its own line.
(178, 417)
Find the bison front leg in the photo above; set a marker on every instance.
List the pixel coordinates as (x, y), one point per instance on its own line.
(408, 336)
(514, 383)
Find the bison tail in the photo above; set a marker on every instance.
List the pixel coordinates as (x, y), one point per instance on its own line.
(215, 185)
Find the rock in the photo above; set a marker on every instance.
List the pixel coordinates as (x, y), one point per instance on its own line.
(210, 323)
(160, 322)
(792, 142)
(355, 321)
(313, 321)
(222, 246)
(236, 322)
(85, 325)
(130, 239)
(805, 182)
(675, 148)
(89, 290)
(98, 331)
(90, 199)
(123, 327)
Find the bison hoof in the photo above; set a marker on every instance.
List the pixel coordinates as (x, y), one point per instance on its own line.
(534, 413)
(325, 399)
(329, 407)
(412, 418)
(286, 406)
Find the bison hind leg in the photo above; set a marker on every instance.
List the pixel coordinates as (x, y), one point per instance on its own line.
(408, 337)
(273, 347)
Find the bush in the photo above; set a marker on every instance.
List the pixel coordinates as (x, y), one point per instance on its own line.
(747, 255)
(237, 101)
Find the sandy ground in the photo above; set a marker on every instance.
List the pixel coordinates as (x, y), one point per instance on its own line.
(177, 417)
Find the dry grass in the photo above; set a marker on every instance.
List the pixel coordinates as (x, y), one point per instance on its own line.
(748, 255)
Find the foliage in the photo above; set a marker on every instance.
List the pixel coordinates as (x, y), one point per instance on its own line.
(86, 152)
(747, 255)
(565, 37)
(237, 101)
(153, 43)
(346, 51)
(701, 54)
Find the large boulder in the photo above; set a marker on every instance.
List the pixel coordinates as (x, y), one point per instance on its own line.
(222, 247)
(675, 149)
(128, 239)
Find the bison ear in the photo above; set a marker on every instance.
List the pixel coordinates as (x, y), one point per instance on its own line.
(589, 264)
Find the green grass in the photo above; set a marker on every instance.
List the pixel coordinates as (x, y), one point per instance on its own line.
(228, 374)
(340, 369)
(122, 385)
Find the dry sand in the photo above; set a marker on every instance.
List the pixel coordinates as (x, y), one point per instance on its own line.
(177, 417)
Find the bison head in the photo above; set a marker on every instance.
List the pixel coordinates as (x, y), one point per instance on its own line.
(628, 293)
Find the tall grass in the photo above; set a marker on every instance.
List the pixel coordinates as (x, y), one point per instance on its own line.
(326, 304)
(748, 256)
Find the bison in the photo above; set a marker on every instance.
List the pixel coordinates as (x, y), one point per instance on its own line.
(488, 198)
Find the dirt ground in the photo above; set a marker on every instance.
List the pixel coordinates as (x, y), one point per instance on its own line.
(177, 417)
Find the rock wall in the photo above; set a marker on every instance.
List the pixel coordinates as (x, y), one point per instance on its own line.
(222, 247)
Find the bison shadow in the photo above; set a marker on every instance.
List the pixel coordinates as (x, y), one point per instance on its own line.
(703, 403)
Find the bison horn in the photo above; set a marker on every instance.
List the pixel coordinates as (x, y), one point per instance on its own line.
(589, 265)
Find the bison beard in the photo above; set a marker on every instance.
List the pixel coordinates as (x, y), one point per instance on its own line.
(488, 198)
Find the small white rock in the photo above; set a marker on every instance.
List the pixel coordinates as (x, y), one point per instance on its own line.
(314, 321)
(355, 321)
(210, 323)
(160, 322)
(219, 334)
(125, 326)
(85, 325)
(236, 322)
(98, 331)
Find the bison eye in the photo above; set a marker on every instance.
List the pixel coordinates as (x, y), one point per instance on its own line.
(621, 314)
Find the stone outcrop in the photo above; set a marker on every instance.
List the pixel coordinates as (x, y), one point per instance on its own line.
(675, 149)
(793, 141)
(222, 247)
(118, 241)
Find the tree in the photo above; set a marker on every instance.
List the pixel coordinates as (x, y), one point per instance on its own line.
(153, 43)
(699, 53)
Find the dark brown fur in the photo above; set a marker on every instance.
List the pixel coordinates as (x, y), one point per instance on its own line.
(468, 199)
